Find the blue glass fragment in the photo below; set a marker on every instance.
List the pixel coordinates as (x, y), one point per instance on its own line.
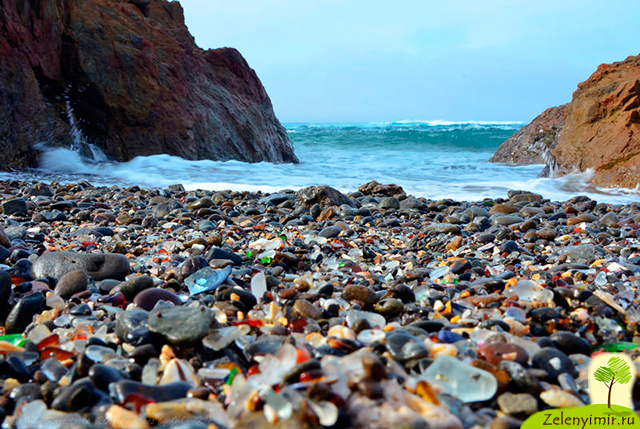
(207, 279)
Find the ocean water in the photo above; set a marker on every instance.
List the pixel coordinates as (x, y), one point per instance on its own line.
(432, 159)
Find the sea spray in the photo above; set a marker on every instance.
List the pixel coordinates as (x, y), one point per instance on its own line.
(432, 159)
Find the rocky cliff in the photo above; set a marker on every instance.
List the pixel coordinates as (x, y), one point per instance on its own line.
(532, 144)
(600, 128)
(127, 76)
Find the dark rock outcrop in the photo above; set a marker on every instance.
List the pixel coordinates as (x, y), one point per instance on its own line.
(127, 76)
(599, 130)
(532, 144)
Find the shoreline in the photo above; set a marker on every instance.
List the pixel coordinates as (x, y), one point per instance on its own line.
(554, 189)
(307, 308)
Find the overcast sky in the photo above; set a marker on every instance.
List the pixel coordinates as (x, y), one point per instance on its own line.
(383, 60)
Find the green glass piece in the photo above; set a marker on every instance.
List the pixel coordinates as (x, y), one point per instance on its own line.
(15, 339)
(231, 376)
(619, 347)
(248, 254)
(265, 260)
(625, 345)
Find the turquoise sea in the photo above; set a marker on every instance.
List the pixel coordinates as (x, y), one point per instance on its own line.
(433, 159)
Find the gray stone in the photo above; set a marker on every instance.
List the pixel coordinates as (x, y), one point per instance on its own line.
(71, 283)
(200, 204)
(161, 210)
(476, 212)
(330, 231)
(5, 288)
(610, 219)
(389, 307)
(205, 226)
(404, 347)
(506, 220)
(22, 313)
(362, 294)
(4, 253)
(106, 285)
(81, 394)
(191, 265)
(521, 377)
(411, 203)
(570, 343)
(531, 212)
(129, 320)
(390, 203)
(99, 266)
(276, 199)
(181, 325)
(553, 361)
(133, 286)
(218, 253)
(303, 308)
(15, 232)
(528, 225)
(548, 234)
(53, 215)
(14, 206)
(4, 240)
(149, 221)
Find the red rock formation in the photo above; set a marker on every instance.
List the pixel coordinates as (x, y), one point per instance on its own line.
(600, 129)
(602, 126)
(135, 81)
(532, 144)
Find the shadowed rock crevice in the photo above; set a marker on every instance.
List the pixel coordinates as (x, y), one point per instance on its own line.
(129, 76)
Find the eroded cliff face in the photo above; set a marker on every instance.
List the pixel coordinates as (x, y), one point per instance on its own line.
(601, 130)
(533, 143)
(598, 130)
(129, 75)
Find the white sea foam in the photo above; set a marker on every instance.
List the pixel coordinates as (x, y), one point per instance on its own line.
(441, 122)
(439, 163)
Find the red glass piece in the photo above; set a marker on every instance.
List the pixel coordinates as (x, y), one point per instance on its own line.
(51, 340)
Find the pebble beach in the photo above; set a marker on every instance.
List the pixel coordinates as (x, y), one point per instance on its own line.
(129, 307)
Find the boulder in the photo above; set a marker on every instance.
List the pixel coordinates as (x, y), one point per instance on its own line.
(325, 196)
(128, 77)
(99, 266)
(532, 144)
(599, 130)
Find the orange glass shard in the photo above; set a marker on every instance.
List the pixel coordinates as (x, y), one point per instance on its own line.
(51, 340)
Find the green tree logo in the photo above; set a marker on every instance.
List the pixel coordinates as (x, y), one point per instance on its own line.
(616, 371)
